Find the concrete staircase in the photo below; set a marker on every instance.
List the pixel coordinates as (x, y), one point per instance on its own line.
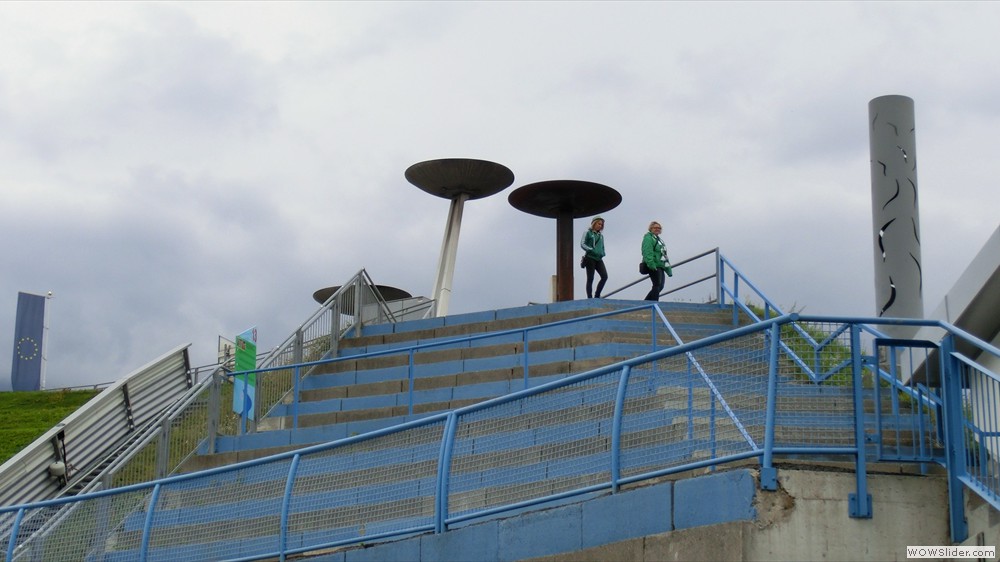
(524, 449)
(356, 396)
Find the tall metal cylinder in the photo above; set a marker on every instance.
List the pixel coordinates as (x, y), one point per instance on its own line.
(895, 212)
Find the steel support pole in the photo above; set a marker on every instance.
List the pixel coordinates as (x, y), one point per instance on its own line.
(449, 253)
(564, 257)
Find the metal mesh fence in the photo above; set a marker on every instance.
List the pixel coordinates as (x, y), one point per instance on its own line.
(529, 448)
(679, 411)
(981, 427)
(693, 407)
(140, 467)
(367, 488)
(84, 528)
(206, 518)
(809, 414)
(187, 430)
(902, 419)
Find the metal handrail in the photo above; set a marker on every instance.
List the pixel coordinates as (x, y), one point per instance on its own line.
(441, 516)
(412, 349)
(716, 275)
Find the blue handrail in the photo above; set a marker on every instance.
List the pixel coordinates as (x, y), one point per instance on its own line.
(957, 371)
(411, 350)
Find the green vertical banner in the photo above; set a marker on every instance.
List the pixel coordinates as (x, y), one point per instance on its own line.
(245, 386)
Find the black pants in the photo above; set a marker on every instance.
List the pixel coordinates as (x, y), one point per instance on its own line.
(658, 278)
(598, 265)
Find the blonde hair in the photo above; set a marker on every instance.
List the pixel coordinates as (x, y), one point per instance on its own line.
(654, 223)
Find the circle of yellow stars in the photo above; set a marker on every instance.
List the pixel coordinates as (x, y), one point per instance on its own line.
(27, 349)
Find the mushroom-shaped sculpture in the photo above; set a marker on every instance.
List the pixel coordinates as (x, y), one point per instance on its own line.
(460, 180)
(564, 200)
(388, 293)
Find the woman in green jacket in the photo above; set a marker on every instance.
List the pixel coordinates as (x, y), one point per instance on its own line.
(593, 258)
(654, 257)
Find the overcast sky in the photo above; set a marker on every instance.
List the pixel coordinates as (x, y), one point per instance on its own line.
(173, 172)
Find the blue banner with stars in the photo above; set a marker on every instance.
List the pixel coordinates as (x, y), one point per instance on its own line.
(29, 329)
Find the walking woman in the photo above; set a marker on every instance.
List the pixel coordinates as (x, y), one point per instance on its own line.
(593, 258)
(654, 257)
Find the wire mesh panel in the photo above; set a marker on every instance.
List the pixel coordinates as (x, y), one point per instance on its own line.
(220, 516)
(376, 486)
(534, 447)
(140, 467)
(704, 405)
(187, 430)
(815, 394)
(902, 420)
(981, 428)
(85, 528)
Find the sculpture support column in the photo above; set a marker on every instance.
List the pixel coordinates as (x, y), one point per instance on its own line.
(564, 257)
(460, 180)
(564, 200)
(895, 213)
(449, 252)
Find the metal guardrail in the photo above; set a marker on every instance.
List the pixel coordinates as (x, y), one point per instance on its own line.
(177, 434)
(721, 399)
(412, 350)
(69, 451)
(954, 425)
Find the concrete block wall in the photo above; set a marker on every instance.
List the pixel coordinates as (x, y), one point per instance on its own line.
(573, 527)
(719, 516)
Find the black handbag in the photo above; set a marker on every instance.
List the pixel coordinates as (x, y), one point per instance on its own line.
(643, 268)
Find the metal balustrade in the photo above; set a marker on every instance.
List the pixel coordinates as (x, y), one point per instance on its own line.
(722, 399)
(523, 337)
(815, 387)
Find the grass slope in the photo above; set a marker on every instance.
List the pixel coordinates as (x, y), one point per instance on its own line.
(25, 416)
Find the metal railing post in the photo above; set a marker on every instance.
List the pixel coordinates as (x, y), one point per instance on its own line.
(616, 428)
(444, 469)
(954, 428)
(860, 502)
(214, 411)
(524, 350)
(296, 393)
(163, 449)
(297, 346)
(335, 327)
(410, 376)
(720, 297)
(358, 310)
(286, 501)
(768, 474)
(652, 320)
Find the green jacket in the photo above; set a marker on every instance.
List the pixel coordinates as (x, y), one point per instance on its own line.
(654, 252)
(593, 244)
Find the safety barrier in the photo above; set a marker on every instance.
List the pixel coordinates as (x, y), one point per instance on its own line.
(725, 398)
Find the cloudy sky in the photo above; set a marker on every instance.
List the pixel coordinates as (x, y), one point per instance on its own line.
(173, 172)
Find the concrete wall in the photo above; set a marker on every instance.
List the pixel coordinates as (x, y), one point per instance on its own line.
(720, 516)
(807, 519)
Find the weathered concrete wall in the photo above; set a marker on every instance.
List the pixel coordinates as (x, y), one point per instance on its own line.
(721, 516)
(906, 510)
(983, 521)
(807, 519)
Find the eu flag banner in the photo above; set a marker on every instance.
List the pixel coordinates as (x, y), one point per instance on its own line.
(29, 329)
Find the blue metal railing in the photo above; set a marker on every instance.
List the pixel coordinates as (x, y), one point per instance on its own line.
(967, 447)
(412, 350)
(956, 426)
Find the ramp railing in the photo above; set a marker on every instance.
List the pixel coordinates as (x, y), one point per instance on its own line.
(719, 400)
(522, 336)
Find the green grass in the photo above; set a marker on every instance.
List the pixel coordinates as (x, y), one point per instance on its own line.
(25, 416)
